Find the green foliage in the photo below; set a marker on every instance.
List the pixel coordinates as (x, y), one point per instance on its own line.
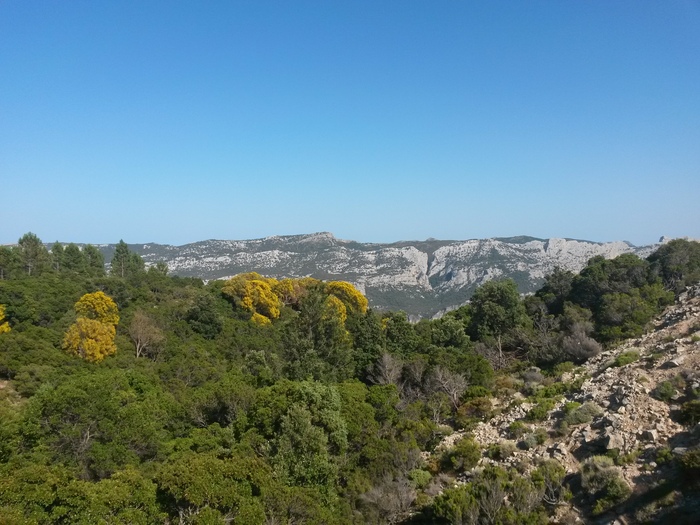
(690, 412)
(125, 263)
(540, 411)
(483, 500)
(582, 414)
(223, 487)
(677, 263)
(4, 325)
(465, 454)
(33, 256)
(556, 289)
(664, 455)
(690, 465)
(497, 314)
(603, 481)
(228, 420)
(664, 391)
(517, 429)
(563, 368)
(501, 451)
(625, 358)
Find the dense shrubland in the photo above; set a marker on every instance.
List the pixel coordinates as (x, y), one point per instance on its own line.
(137, 397)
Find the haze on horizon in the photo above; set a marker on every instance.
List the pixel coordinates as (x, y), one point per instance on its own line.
(178, 122)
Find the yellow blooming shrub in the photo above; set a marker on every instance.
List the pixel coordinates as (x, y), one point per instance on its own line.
(254, 293)
(4, 325)
(90, 339)
(99, 307)
(349, 295)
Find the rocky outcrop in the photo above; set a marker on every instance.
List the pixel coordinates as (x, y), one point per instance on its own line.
(638, 403)
(422, 278)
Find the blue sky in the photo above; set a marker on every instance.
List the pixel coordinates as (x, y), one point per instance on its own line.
(177, 121)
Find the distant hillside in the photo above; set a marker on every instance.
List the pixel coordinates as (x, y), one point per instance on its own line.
(422, 278)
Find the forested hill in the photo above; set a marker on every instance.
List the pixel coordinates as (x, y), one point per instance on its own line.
(420, 278)
(138, 397)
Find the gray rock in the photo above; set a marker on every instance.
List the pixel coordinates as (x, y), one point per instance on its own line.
(614, 441)
(650, 435)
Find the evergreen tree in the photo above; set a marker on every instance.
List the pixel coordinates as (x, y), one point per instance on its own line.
(57, 256)
(94, 261)
(33, 254)
(125, 263)
(73, 259)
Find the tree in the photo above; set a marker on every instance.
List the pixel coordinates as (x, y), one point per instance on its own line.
(497, 313)
(4, 325)
(90, 340)
(73, 259)
(387, 370)
(91, 337)
(125, 263)
(349, 295)
(9, 262)
(33, 255)
(556, 289)
(450, 383)
(99, 307)
(145, 334)
(254, 293)
(94, 261)
(677, 263)
(57, 256)
(399, 334)
(204, 488)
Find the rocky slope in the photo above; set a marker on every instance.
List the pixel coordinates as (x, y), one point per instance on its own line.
(421, 278)
(632, 423)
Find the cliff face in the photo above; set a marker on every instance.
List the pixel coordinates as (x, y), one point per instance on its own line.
(421, 278)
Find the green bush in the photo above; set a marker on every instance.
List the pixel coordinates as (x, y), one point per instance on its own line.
(517, 429)
(570, 407)
(501, 451)
(563, 368)
(419, 477)
(583, 414)
(663, 455)
(541, 436)
(690, 465)
(690, 412)
(540, 410)
(664, 391)
(465, 455)
(622, 459)
(528, 442)
(625, 358)
(476, 391)
(601, 479)
(477, 409)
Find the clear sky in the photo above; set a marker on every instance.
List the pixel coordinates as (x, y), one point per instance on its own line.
(178, 121)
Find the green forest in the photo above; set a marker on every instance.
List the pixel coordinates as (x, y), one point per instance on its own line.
(129, 395)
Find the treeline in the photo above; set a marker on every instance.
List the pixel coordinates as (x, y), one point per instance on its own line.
(139, 397)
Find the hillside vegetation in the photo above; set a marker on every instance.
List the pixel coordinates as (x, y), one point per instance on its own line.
(139, 397)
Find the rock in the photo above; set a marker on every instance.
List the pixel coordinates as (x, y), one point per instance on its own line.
(675, 363)
(614, 441)
(650, 435)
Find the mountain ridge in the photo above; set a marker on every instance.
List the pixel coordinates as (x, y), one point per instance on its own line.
(422, 278)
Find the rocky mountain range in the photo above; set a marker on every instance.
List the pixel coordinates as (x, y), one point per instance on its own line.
(422, 278)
